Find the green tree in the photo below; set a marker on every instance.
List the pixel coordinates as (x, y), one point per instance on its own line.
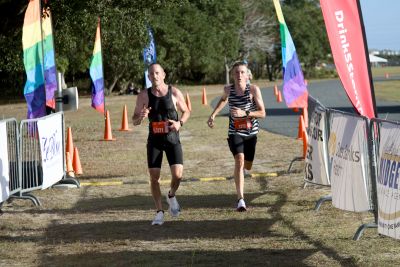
(306, 25)
(194, 39)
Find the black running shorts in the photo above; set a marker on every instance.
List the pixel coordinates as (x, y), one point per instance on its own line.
(155, 149)
(243, 144)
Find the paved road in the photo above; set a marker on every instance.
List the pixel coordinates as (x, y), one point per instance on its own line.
(329, 93)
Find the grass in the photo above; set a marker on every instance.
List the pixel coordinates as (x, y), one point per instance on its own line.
(110, 225)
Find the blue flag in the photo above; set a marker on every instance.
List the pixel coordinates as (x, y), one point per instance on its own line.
(149, 52)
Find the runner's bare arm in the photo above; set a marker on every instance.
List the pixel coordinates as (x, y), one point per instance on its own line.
(260, 112)
(182, 107)
(141, 111)
(221, 103)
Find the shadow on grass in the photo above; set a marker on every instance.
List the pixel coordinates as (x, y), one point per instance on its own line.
(248, 257)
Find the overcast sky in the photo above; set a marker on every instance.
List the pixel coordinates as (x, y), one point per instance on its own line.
(382, 23)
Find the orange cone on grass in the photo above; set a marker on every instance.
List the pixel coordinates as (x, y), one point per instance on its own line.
(70, 143)
(107, 129)
(76, 162)
(124, 123)
(302, 128)
(276, 90)
(279, 97)
(305, 144)
(70, 168)
(204, 98)
(305, 117)
(188, 103)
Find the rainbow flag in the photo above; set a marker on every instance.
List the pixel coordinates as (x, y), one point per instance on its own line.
(96, 73)
(39, 61)
(50, 70)
(294, 88)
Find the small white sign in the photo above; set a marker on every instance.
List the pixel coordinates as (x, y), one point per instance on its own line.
(51, 147)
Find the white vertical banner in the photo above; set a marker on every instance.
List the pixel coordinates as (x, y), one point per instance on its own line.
(388, 192)
(51, 147)
(350, 163)
(317, 163)
(4, 164)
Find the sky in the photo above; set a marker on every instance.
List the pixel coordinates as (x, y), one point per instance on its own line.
(382, 23)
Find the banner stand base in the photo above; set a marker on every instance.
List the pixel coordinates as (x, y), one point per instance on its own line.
(361, 229)
(293, 160)
(322, 200)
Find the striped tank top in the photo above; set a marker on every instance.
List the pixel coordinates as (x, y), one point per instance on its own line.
(246, 103)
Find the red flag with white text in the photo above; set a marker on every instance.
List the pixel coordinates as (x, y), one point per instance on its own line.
(344, 25)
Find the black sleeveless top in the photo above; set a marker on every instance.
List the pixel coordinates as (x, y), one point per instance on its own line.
(162, 108)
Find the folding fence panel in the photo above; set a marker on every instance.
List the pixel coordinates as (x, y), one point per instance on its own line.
(387, 179)
(349, 154)
(317, 161)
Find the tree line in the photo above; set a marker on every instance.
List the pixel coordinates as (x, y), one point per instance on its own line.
(196, 40)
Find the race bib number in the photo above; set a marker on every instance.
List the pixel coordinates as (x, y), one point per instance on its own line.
(242, 124)
(160, 127)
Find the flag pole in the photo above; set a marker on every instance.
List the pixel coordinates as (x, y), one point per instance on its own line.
(102, 69)
(367, 58)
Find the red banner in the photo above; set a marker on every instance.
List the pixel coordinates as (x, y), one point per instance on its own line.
(345, 30)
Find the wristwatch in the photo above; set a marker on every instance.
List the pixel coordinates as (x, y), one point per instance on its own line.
(181, 122)
(247, 113)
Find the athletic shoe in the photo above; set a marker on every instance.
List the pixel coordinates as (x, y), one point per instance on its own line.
(174, 208)
(246, 173)
(159, 219)
(241, 206)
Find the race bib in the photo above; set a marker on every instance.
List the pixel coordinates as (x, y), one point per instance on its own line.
(160, 127)
(242, 124)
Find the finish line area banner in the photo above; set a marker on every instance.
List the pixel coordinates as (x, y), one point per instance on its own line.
(316, 160)
(350, 170)
(388, 193)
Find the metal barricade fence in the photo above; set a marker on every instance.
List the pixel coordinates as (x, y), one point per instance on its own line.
(13, 155)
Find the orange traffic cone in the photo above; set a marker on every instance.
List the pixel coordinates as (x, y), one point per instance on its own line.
(188, 103)
(279, 97)
(302, 128)
(70, 144)
(305, 116)
(305, 144)
(107, 129)
(76, 162)
(124, 123)
(70, 169)
(276, 90)
(204, 99)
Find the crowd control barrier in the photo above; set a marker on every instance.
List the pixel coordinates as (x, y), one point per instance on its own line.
(9, 181)
(386, 137)
(36, 156)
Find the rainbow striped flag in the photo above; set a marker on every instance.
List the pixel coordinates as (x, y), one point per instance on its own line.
(96, 73)
(294, 88)
(39, 61)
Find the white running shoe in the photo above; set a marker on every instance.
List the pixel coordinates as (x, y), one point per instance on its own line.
(159, 219)
(246, 173)
(174, 208)
(241, 206)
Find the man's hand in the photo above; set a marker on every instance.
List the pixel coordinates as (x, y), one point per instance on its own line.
(237, 112)
(174, 125)
(210, 122)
